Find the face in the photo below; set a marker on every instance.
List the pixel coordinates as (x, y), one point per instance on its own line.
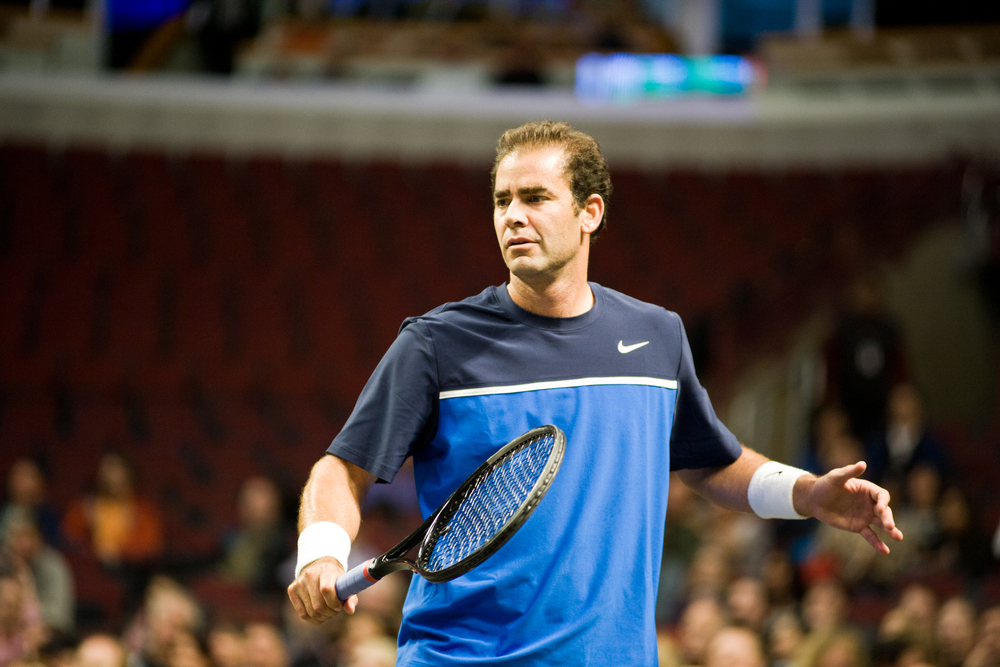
(734, 647)
(24, 541)
(542, 234)
(25, 482)
(11, 603)
(113, 476)
(259, 504)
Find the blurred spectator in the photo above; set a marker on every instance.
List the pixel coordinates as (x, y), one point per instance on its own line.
(916, 513)
(386, 602)
(955, 631)
(830, 552)
(986, 651)
(26, 493)
(744, 538)
(864, 356)
(686, 515)
(709, 573)
(100, 650)
(168, 612)
(117, 523)
(699, 622)
(49, 570)
(265, 646)
(905, 634)
(120, 527)
(22, 631)
(59, 649)
(186, 650)
(666, 647)
(735, 647)
(897, 642)
(824, 607)
(904, 442)
(373, 652)
(920, 605)
(226, 645)
(919, 503)
(898, 651)
(314, 645)
(829, 423)
(780, 581)
(746, 602)
(359, 629)
(962, 549)
(253, 552)
(841, 648)
(784, 636)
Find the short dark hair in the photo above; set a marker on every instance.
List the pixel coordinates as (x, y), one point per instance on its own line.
(586, 168)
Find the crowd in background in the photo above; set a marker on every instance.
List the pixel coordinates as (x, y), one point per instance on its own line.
(735, 590)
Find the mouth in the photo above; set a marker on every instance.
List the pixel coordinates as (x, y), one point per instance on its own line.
(518, 241)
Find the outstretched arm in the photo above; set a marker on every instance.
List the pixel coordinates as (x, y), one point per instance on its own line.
(334, 492)
(838, 498)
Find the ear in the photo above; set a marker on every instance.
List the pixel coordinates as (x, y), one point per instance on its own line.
(592, 214)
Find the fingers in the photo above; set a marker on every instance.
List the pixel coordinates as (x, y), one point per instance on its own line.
(314, 595)
(883, 514)
(874, 540)
(887, 522)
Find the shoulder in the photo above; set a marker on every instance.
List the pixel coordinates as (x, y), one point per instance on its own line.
(624, 305)
(481, 308)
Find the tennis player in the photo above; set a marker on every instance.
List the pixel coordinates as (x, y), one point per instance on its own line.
(577, 584)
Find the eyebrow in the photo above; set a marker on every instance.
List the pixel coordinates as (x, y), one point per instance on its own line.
(526, 190)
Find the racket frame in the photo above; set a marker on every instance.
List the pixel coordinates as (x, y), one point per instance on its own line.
(394, 559)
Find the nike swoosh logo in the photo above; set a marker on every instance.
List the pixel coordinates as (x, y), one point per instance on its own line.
(625, 349)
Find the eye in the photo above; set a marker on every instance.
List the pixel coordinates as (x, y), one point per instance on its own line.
(501, 203)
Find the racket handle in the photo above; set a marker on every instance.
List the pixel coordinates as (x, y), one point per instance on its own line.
(354, 581)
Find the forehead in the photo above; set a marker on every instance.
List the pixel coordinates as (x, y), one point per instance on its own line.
(533, 165)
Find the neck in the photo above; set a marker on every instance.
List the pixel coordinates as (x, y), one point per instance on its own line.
(556, 299)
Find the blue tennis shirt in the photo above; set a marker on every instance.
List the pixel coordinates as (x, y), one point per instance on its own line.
(576, 585)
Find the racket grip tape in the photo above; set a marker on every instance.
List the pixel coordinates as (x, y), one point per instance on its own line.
(354, 581)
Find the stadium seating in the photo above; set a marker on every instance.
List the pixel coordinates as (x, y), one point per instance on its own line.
(214, 317)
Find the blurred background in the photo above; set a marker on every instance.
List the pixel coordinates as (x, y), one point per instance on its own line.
(214, 215)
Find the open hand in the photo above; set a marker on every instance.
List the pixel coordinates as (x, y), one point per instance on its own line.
(843, 500)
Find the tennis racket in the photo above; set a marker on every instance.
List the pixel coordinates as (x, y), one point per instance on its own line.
(477, 519)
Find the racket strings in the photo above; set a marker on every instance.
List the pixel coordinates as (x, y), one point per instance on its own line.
(490, 503)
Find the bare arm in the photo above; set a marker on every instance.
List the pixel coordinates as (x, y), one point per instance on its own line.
(838, 498)
(726, 486)
(334, 492)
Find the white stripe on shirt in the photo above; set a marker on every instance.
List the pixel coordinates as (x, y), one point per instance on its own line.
(558, 384)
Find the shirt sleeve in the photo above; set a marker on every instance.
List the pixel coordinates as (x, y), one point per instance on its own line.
(397, 410)
(698, 439)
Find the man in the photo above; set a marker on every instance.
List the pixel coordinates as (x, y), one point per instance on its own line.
(735, 646)
(47, 568)
(577, 584)
(101, 650)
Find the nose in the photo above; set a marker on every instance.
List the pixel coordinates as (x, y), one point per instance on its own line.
(515, 214)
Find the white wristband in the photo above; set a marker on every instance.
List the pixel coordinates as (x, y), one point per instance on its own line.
(320, 539)
(770, 492)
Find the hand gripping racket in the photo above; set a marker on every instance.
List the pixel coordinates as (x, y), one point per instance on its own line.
(477, 519)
